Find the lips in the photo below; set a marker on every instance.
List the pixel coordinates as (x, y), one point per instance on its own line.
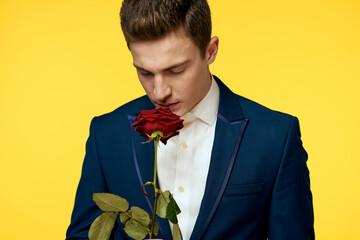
(170, 105)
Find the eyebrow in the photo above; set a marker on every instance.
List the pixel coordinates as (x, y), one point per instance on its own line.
(166, 69)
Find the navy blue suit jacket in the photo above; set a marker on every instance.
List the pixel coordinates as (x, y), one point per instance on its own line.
(257, 187)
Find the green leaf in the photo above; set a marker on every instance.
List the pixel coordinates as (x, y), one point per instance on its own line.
(177, 209)
(140, 215)
(167, 207)
(110, 202)
(135, 230)
(162, 203)
(166, 194)
(156, 229)
(171, 212)
(176, 232)
(102, 227)
(124, 217)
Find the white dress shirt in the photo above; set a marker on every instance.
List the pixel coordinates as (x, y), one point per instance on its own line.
(183, 163)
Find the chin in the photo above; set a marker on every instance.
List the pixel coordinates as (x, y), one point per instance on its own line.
(177, 112)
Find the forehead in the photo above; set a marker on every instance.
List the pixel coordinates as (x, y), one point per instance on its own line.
(164, 52)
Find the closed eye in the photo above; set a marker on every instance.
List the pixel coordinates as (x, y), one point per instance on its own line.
(145, 74)
(177, 72)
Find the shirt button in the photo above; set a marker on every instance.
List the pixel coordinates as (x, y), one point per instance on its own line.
(181, 189)
(184, 145)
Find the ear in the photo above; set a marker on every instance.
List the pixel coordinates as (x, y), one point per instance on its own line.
(212, 49)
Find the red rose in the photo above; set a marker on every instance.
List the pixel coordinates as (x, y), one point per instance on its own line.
(162, 119)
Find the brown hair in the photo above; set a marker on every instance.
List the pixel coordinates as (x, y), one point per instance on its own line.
(143, 20)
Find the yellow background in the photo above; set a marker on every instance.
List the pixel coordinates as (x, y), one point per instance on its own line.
(63, 62)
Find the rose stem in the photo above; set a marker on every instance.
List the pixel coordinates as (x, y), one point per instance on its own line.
(155, 188)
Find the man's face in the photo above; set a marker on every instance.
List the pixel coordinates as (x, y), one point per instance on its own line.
(172, 71)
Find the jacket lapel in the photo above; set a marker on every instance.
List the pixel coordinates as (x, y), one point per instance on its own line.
(230, 127)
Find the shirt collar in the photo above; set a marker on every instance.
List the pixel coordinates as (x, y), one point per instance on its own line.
(207, 109)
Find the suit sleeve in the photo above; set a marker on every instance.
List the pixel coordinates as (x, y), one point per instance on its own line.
(291, 210)
(91, 181)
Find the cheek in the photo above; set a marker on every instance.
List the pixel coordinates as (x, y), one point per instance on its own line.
(147, 85)
(192, 81)
(187, 87)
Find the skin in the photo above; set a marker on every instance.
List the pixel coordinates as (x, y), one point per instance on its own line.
(172, 71)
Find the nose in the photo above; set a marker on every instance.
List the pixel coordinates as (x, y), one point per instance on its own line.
(162, 89)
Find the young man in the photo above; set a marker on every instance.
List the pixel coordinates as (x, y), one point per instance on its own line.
(237, 169)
